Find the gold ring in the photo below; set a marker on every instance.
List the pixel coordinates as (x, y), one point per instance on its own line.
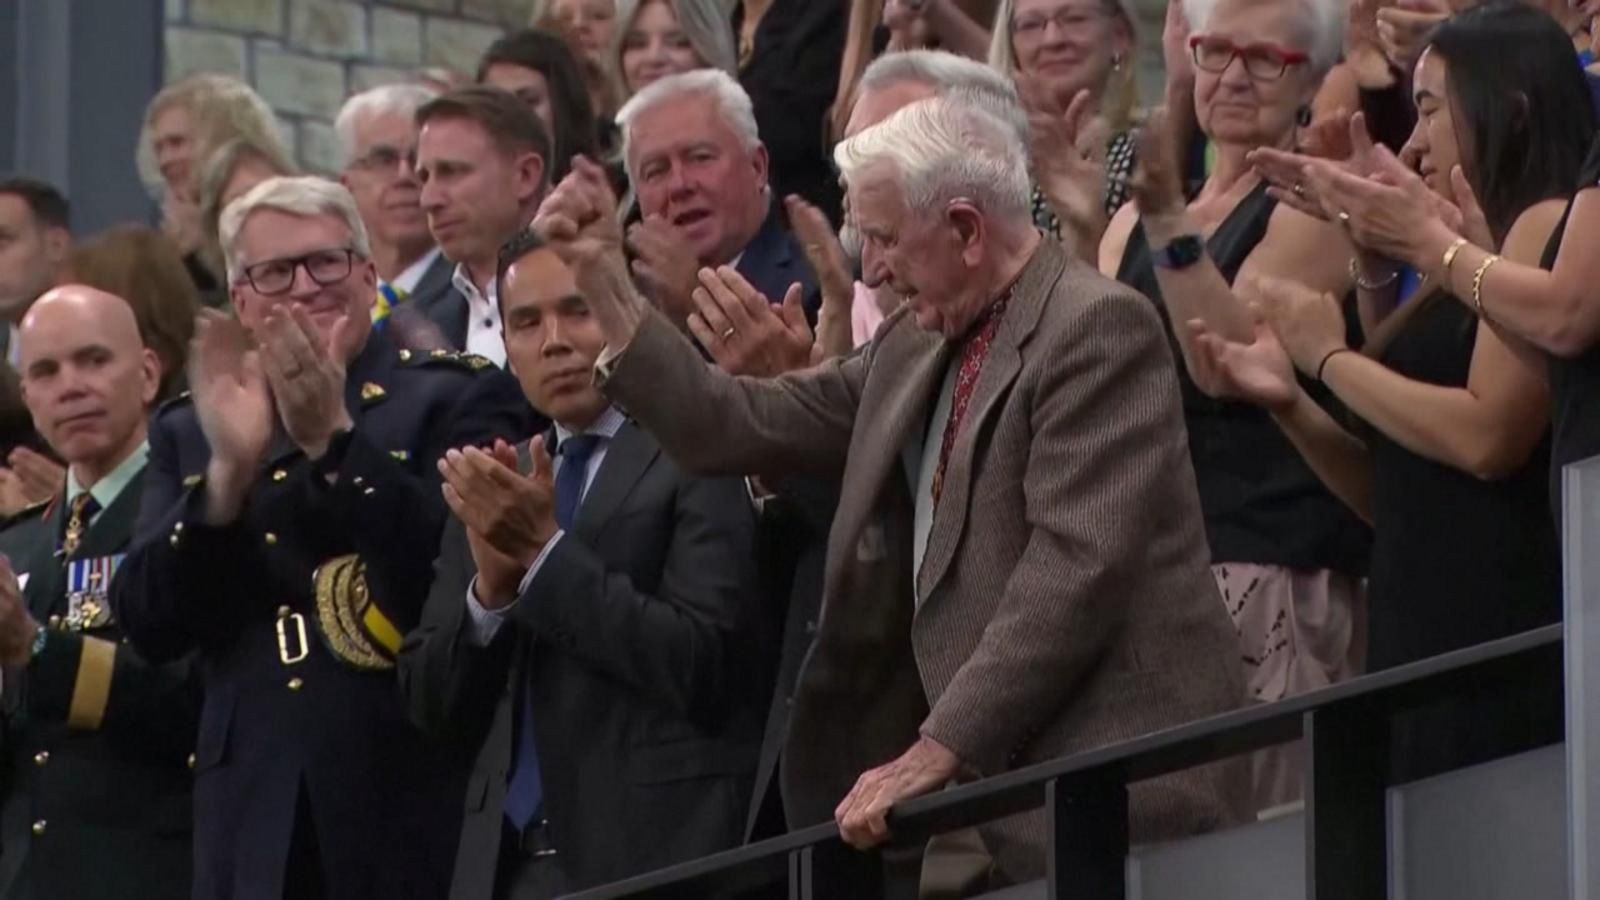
(729, 333)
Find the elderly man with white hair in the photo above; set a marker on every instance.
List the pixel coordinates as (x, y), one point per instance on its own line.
(700, 172)
(378, 135)
(1017, 568)
(290, 516)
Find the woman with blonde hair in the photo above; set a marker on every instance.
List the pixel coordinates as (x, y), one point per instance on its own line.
(656, 38)
(183, 124)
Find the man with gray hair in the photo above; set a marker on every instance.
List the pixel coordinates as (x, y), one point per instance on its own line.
(700, 171)
(290, 516)
(1017, 568)
(378, 135)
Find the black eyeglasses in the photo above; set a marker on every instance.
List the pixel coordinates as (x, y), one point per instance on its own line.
(276, 276)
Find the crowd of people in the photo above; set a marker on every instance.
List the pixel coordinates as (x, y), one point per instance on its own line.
(719, 417)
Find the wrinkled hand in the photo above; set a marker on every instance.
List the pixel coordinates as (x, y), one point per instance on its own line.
(17, 626)
(1067, 147)
(504, 511)
(745, 333)
(823, 251)
(234, 406)
(307, 377)
(862, 816)
(39, 476)
(1175, 45)
(180, 221)
(665, 267)
(579, 220)
(1404, 27)
(1157, 185)
(1284, 171)
(1308, 323)
(1328, 136)
(1259, 372)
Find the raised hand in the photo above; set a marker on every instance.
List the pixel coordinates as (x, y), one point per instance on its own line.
(509, 516)
(1284, 171)
(744, 333)
(826, 256)
(1392, 213)
(1309, 323)
(17, 625)
(307, 377)
(664, 266)
(1157, 186)
(1259, 372)
(579, 220)
(1067, 147)
(41, 477)
(1402, 28)
(234, 406)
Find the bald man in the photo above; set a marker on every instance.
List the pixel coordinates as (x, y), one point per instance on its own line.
(98, 798)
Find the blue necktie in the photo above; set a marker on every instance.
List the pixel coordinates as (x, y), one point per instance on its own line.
(524, 792)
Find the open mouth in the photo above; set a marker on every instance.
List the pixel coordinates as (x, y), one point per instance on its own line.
(691, 218)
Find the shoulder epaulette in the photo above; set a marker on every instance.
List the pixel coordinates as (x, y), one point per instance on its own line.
(472, 362)
(182, 399)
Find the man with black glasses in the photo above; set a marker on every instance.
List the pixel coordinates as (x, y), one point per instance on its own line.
(291, 514)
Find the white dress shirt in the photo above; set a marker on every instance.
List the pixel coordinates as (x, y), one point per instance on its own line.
(483, 318)
(486, 622)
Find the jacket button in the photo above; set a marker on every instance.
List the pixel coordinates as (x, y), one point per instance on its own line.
(296, 683)
(41, 758)
(271, 539)
(279, 475)
(38, 828)
(190, 761)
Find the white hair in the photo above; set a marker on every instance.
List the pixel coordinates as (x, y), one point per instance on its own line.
(1319, 26)
(942, 149)
(383, 100)
(729, 98)
(950, 75)
(301, 195)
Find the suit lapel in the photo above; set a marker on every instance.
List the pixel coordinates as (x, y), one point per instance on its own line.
(627, 457)
(435, 282)
(766, 259)
(46, 571)
(1000, 371)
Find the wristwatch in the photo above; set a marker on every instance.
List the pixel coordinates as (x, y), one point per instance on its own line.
(1181, 252)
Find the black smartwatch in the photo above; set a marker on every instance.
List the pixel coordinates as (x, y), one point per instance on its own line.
(1180, 253)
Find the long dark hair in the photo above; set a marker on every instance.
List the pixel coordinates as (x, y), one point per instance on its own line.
(571, 112)
(1521, 103)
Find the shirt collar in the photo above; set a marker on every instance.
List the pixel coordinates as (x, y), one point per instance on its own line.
(464, 284)
(107, 489)
(407, 281)
(607, 426)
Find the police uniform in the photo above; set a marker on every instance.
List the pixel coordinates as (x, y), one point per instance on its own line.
(309, 782)
(98, 802)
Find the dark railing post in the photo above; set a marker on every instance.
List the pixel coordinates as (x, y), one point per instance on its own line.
(833, 870)
(1347, 752)
(1086, 829)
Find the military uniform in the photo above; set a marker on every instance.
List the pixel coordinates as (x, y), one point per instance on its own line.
(296, 610)
(98, 798)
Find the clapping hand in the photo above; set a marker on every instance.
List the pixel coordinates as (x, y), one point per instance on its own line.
(1392, 212)
(234, 406)
(1157, 186)
(31, 477)
(744, 333)
(1067, 146)
(509, 516)
(307, 377)
(1402, 28)
(1284, 171)
(1259, 372)
(1309, 323)
(665, 266)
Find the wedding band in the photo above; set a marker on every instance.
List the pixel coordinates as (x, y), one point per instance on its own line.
(1344, 217)
(729, 333)
(1299, 189)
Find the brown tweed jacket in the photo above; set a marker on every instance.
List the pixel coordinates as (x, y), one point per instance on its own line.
(1068, 601)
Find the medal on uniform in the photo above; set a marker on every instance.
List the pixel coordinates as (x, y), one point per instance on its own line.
(88, 592)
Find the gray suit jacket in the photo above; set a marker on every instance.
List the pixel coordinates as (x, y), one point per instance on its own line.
(636, 638)
(1067, 602)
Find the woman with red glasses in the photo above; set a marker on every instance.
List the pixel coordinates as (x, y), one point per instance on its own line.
(1288, 557)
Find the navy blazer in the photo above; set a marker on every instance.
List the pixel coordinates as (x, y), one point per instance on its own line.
(287, 730)
(773, 260)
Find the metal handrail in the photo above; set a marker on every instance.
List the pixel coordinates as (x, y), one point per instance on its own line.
(1099, 777)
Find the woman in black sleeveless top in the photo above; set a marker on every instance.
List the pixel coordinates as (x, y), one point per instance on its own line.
(1288, 557)
(1455, 424)
(1554, 306)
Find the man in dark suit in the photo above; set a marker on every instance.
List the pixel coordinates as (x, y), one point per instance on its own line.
(289, 520)
(593, 630)
(699, 168)
(481, 161)
(97, 802)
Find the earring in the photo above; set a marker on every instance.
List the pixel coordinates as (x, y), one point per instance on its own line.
(1302, 116)
(1116, 62)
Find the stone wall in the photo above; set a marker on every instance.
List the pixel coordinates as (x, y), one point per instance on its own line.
(306, 56)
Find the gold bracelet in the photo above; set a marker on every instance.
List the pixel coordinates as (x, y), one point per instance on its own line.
(1477, 284)
(1450, 254)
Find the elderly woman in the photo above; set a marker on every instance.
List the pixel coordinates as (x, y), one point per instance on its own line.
(1449, 467)
(657, 38)
(1551, 303)
(229, 172)
(184, 123)
(1287, 556)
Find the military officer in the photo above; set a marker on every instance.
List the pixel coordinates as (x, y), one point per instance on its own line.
(287, 534)
(98, 804)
